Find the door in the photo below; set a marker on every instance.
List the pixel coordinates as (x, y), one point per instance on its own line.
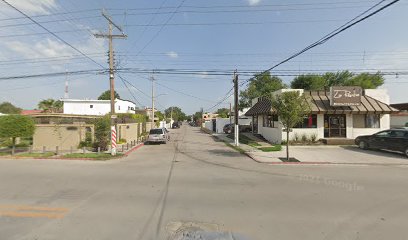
(254, 124)
(397, 141)
(334, 126)
(380, 140)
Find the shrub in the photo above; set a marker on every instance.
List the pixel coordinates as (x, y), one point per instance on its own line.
(102, 133)
(304, 138)
(296, 137)
(122, 141)
(283, 142)
(313, 137)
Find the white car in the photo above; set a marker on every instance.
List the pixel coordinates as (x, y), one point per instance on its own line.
(159, 135)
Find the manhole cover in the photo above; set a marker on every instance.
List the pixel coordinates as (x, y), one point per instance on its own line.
(199, 231)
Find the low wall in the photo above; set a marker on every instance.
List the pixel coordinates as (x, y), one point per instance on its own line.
(129, 131)
(64, 136)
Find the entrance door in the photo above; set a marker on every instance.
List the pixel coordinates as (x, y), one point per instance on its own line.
(335, 125)
(255, 124)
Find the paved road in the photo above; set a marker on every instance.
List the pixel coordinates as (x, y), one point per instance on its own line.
(195, 179)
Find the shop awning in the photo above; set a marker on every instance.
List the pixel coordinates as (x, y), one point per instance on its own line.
(319, 102)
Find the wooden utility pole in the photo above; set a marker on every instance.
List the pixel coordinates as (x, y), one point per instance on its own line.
(236, 127)
(111, 36)
(152, 79)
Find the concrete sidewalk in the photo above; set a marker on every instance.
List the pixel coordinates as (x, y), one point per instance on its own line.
(331, 155)
(322, 154)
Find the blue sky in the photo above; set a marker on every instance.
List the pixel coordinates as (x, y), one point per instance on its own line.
(202, 35)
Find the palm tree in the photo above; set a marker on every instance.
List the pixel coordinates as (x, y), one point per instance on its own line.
(46, 105)
(57, 106)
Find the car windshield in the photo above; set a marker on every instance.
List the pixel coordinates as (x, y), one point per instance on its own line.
(156, 131)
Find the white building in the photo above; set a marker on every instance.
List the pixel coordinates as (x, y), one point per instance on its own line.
(96, 107)
(368, 115)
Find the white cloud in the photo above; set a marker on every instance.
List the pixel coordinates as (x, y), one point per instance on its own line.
(172, 54)
(253, 2)
(43, 48)
(34, 6)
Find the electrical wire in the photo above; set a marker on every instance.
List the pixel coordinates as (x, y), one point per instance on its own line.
(50, 32)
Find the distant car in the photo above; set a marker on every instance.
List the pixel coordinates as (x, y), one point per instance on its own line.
(176, 125)
(229, 128)
(393, 140)
(158, 135)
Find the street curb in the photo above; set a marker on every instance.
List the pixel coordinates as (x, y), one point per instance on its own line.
(327, 163)
(133, 149)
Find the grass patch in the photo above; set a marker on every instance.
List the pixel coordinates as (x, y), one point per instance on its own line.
(238, 149)
(96, 156)
(5, 153)
(35, 155)
(254, 144)
(271, 149)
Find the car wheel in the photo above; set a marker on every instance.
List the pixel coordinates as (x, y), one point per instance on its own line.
(363, 145)
(406, 152)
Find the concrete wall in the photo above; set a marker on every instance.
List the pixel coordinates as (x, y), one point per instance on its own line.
(129, 132)
(398, 120)
(64, 136)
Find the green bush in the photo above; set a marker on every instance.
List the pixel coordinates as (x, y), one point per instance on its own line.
(296, 137)
(304, 138)
(121, 141)
(313, 137)
(102, 133)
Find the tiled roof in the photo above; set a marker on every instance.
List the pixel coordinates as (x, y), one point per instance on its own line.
(319, 102)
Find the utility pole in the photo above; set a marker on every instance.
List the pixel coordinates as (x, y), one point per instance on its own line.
(236, 128)
(152, 79)
(230, 114)
(202, 119)
(171, 117)
(110, 37)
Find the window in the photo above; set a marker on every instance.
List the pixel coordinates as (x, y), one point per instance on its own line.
(372, 121)
(383, 134)
(270, 121)
(90, 106)
(118, 107)
(308, 122)
(398, 134)
(366, 121)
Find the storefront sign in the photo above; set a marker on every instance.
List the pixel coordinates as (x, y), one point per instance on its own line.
(345, 96)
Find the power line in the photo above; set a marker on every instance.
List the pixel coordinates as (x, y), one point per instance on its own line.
(333, 33)
(183, 93)
(56, 36)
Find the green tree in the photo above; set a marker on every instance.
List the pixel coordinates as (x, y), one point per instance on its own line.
(8, 108)
(50, 105)
(107, 95)
(14, 126)
(176, 112)
(102, 132)
(223, 112)
(342, 78)
(366, 80)
(309, 82)
(291, 107)
(260, 85)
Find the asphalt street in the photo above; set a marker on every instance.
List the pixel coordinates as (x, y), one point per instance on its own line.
(197, 183)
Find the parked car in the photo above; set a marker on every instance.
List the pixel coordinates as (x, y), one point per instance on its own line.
(158, 135)
(229, 128)
(393, 140)
(176, 125)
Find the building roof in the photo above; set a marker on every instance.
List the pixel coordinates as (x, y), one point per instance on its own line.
(400, 106)
(94, 100)
(319, 102)
(30, 112)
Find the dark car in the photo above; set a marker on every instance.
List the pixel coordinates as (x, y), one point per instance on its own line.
(393, 140)
(229, 128)
(176, 125)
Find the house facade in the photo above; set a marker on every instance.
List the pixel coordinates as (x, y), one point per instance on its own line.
(96, 107)
(367, 114)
